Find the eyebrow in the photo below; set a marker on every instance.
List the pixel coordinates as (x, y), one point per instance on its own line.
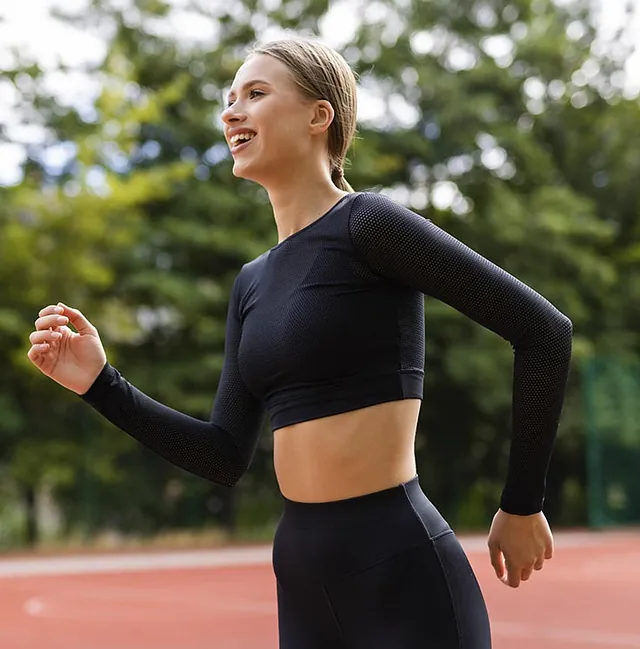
(253, 82)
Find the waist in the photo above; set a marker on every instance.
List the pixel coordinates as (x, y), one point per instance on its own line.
(349, 454)
(356, 511)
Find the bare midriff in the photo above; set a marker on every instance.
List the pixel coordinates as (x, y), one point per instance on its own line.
(347, 455)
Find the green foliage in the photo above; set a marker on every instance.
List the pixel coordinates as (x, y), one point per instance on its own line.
(144, 228)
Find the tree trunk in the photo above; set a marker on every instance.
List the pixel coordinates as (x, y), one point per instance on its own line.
(31, 524)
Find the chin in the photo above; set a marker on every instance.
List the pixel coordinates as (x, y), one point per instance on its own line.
(248, 172)
(244, 174)
(237, 172)
(241, 171)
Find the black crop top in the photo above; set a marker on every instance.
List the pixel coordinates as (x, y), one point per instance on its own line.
(332, 319)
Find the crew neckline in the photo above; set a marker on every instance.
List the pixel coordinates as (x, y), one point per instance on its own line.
(320, 218)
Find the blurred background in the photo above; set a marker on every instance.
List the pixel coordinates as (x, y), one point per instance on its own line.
(514, 125)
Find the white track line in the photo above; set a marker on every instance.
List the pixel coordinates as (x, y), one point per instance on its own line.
(223, 557)
(134, 562)
(581, 637)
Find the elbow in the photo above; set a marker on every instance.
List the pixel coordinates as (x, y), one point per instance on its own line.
(564, 326)
(232, 475)
(227, 480)
(229, 467)
(551, 330)
(226, 472)
(232, 481)
(559, 333)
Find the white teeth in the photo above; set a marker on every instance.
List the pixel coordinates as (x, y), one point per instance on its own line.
(241, 136)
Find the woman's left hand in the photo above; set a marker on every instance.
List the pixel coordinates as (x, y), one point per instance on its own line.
(518, 545)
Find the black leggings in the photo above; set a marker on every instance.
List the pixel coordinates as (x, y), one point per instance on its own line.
(380, 571)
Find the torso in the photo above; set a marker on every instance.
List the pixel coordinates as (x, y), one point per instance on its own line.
(348, 454)
(335, 352)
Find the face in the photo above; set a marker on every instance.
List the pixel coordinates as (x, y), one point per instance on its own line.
(278, 128)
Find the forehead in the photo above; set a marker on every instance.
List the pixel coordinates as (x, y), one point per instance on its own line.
(262, 67)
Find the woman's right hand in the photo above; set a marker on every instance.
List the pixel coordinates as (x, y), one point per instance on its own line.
(73, 360)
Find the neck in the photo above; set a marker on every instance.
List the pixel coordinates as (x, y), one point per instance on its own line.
(301, 200)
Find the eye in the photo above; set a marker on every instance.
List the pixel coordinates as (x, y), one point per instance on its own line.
(252, 94)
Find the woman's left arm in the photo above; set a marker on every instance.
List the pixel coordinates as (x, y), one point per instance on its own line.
(403, 246)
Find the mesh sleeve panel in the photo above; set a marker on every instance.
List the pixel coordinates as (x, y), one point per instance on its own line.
(403, 246)
(219, 450)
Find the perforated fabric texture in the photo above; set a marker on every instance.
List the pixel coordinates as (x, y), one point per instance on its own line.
(220, 449)
(409, 249)
(321, 333)
(332, 319)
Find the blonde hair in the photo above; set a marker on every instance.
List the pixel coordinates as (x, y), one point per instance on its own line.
(320, 72)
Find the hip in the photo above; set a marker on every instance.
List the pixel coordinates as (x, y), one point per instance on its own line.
(379, 570)
(327, 540)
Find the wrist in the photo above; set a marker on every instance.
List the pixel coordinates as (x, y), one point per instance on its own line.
(519, 506)
(104, 376)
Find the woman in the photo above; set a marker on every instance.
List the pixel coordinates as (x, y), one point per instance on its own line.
(325, 333)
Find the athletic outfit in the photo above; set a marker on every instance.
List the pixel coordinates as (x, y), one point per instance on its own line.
(331, 320)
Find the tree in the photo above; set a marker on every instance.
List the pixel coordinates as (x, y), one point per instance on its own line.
(498, 122)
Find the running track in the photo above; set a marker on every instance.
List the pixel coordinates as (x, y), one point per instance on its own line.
(587, 597)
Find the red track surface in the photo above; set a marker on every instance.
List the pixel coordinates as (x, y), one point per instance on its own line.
(587, 597)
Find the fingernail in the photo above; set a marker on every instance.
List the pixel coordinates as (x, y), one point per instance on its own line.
(59, 309)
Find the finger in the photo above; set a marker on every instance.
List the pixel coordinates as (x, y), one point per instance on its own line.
(548, 553)
(50, 321)
(497, 560)
(513, 575)
(37, 352)
(539, 563)
(77, 319)
(526, 573)
(44, 336)
(50, 310)
(35, 357)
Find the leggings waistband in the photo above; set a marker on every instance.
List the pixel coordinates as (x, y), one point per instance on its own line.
(346, 505)
(367, 507)
(337, 537)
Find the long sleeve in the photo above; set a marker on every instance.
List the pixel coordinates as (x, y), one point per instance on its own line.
(220, 449)
(402, 246)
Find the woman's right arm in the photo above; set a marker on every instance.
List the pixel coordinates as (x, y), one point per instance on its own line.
(220, 449)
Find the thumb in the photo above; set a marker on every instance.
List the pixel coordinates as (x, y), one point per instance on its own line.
(77, 319)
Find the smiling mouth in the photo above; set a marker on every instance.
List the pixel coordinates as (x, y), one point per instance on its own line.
(241, 144)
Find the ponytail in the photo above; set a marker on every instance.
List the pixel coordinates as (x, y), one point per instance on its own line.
(340, 181)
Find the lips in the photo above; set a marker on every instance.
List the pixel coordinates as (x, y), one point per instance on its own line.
(237, 137)
(241, 145)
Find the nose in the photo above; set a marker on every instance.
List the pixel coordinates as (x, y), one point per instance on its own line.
(232, 115)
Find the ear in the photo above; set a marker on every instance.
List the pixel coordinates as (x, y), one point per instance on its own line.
(321, 117)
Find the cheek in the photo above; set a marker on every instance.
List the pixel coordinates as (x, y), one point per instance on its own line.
(284, 134)
(293, 142)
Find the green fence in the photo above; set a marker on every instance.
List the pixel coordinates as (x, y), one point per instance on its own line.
(612, 399)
